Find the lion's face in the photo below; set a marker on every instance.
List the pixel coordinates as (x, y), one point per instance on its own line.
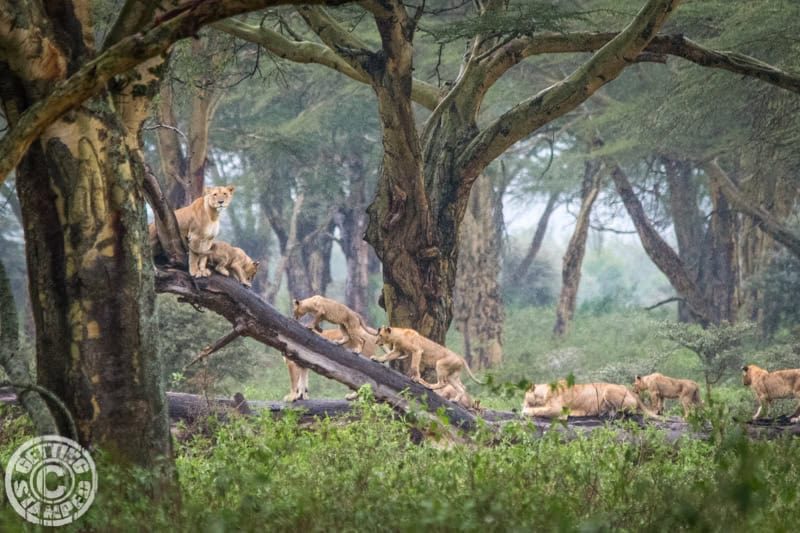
(746, 378)
(219, 197)
(638, 385)
(538, 395)
(383, 335)
(250, 268)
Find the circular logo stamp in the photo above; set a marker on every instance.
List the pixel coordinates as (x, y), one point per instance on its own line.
(51, 480)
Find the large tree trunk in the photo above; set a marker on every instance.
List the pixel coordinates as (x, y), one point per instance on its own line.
(573, 257)
(352, 222)
(91, 292)
(719, 274)
(478, 306)
(688, 221)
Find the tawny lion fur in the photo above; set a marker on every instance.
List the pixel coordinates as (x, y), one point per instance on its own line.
(590, 399)
(769, 386)
(298, 376)
(198, 223)
(232, 261)
(660, 387)
(350, 322)
(448, 364)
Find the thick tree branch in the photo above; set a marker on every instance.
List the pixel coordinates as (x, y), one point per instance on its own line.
(555, 101)
(265, 324)
(762, 218)
(129, 52)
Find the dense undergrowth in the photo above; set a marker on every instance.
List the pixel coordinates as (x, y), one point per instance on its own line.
(262, 474)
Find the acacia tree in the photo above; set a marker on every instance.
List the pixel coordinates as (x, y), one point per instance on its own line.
(80, 178)
(427, 177)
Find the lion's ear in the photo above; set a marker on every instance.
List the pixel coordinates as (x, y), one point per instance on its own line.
(388, 329)
(256, 263)
(637, 377)
(744, 368)
(296, 301)
(230, 188)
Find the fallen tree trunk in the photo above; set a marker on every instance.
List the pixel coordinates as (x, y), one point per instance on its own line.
(193, 407)
(257, 319)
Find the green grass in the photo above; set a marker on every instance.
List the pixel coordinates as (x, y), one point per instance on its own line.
(366, 475)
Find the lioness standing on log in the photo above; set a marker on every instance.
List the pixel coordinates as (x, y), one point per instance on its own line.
(590, 399)
(770, 386)
(660, 386)
(198, 223)
(350, 322)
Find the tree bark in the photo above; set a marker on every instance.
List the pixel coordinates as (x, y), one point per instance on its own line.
(352, 222)
(576, 249)
(478, 305)
(688, 221)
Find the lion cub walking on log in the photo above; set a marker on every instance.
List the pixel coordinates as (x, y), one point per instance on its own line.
(198, 223)
(660, 386)
(232, 261)
(447, 363)
(350, 322)
(770, 386)
(589, 399)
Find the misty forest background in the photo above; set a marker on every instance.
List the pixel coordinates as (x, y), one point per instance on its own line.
(616, 239)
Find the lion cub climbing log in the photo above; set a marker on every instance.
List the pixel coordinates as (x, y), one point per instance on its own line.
(770, 386)
(232, 261)
(660, 386)
(350, 322)
(198, 223)
(447, 363)
(590, 399)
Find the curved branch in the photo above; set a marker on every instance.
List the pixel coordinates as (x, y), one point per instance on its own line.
(604, 66)
(422, 92)
(126, 54)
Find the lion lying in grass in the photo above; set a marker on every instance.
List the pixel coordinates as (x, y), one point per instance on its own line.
(660, 386)
(590, 399)
(770, 386)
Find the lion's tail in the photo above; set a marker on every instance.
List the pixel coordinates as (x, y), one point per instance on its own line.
(696, 397)
(471, 375)
(364, 325)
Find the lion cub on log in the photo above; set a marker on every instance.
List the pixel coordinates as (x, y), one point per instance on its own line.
(447, 363)
(590, 399)
(350, 322)
(233, 262)
(198, 223)
(298, 376)
(660, 386)
(770, 386)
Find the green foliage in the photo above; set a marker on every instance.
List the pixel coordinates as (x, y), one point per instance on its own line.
(366, 475)
(717, 347)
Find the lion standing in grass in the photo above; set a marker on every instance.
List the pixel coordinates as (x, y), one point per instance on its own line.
(770, 386)
(660, 386)
(590, 399)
